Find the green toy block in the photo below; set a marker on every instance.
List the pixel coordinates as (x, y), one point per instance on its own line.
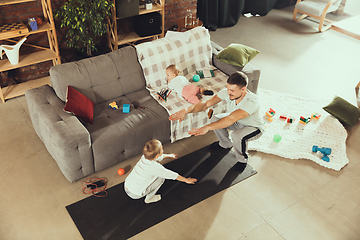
(277, 138)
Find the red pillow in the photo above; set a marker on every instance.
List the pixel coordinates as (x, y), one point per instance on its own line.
(78, 104)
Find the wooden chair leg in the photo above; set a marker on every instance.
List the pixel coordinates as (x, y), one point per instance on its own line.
(294, 15)
(301, 17)
(323, 28)
(321, 24)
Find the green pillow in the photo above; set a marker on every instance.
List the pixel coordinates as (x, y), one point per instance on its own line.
(343, 110)
(237, 54)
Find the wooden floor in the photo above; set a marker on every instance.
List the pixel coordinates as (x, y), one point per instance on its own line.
(350, 27)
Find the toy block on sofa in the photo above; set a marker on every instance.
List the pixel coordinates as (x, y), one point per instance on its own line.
(113, 105)
(126, 108)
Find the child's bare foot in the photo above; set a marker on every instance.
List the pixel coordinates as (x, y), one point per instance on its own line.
(155, 198)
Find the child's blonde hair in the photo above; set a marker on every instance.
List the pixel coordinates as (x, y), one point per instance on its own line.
(151, 149)
(174, 69)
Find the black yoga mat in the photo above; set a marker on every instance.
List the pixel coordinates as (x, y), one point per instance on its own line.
(117, 216)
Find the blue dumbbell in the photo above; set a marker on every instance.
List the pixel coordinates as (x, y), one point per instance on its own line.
(325, 151)
(325, 158)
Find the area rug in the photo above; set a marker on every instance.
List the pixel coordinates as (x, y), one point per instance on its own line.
(298, 139)
(116, 216)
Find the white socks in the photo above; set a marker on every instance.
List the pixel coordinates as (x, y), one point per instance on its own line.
(155, 198)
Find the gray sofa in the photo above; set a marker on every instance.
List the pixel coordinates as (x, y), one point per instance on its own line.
(80, 150)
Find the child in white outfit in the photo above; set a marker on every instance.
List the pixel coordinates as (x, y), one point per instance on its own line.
(148, 175)
(182, 86)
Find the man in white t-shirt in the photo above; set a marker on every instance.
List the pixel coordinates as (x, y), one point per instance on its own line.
(242, 117)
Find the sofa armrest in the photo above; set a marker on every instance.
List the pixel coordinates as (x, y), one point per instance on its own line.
(64, 136)
(215, 48)
(250, 70)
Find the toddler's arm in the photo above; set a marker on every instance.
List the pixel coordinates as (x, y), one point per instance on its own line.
(171, 155)
(188, 180)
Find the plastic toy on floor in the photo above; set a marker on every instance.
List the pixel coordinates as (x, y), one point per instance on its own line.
(315, 116)
(121, 171)
(287, 119)
(325, 151)
(290, 120)
(270, 113)
(304, 120)
(277, 138)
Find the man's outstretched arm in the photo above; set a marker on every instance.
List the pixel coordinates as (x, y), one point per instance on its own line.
(222, 123)
(199, 107)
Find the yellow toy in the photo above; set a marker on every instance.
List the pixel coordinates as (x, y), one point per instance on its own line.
(113, 105)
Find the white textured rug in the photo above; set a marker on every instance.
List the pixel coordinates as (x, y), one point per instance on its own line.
(298, 139)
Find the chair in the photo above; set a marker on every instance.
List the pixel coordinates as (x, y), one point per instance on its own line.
(316, 9)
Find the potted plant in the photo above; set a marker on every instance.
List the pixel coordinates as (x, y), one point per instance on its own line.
(85, 21)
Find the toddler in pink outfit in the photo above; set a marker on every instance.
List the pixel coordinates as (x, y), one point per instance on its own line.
(181, 85)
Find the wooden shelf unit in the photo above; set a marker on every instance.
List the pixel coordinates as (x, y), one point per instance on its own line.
(19, 89)
(8, 2)
(50, 53)
(116, 39)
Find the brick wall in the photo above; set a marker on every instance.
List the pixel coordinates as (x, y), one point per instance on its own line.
(176, 9)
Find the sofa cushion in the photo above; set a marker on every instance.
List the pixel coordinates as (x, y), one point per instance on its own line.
(117, 136)
(79, 105)
(237, 54)
(343, 110)
(100, 78)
